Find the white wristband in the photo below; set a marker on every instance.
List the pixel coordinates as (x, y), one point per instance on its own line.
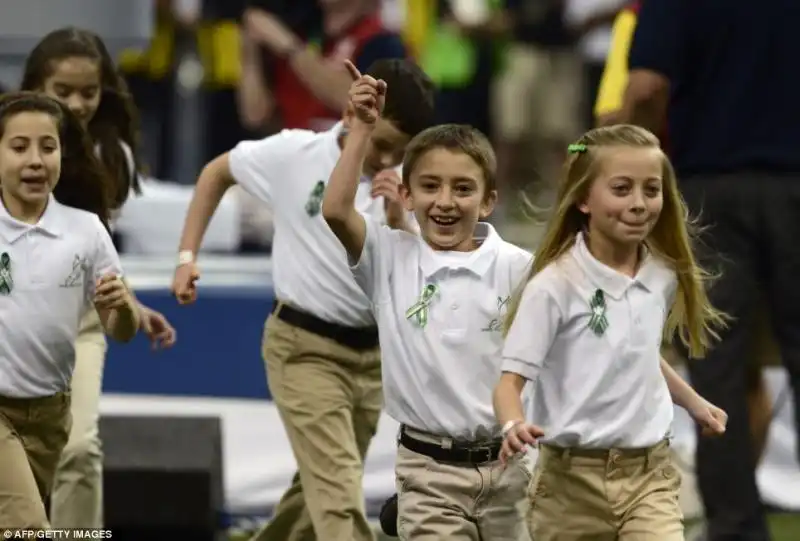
(508, 426)
(185, 257)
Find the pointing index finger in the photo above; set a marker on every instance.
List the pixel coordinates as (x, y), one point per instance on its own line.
(352, 70)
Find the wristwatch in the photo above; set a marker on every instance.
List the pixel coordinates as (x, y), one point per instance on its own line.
(185, 257)
(508, 426)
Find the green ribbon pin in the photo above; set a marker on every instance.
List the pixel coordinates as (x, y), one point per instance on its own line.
(598, 322)
(314, 203)
(419, 311)
(6, 281)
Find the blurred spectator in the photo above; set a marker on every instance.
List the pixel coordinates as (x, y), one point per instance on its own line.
(591, 21)
(299, 74)
(765, 351)
(151, 77)
(536, 94)
(458, 51)
(218, 40)
(733, 137)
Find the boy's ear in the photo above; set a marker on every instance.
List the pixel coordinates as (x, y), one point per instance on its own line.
(488, 204)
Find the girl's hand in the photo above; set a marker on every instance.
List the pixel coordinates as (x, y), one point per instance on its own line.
(157, 328)
(519, 436)
(367, 95)
(712, 420)
(112, 293)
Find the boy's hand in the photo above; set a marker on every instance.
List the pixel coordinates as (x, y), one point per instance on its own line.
(386, 184)
(184, 284)
(367, 95)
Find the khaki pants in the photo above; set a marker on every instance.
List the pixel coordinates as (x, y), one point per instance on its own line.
(329, 398)
(537, 93)
(438, 501)
(77, 500)
(620, 494)
(33, 431)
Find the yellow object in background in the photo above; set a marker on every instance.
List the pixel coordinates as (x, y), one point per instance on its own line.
(615, 75)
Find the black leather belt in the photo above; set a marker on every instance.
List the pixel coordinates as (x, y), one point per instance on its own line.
(358, 338)
(460, 455)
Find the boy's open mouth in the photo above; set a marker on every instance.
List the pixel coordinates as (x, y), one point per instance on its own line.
(444, 220)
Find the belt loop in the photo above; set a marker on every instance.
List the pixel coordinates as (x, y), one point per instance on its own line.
(447, 443)
(278, 305)
(565, 457)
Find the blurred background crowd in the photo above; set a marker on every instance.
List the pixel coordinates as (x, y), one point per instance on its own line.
(206, 74)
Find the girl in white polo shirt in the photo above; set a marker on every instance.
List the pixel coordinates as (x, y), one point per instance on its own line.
(73, 66)
(613, 274)
(438, 298)
(55, 255)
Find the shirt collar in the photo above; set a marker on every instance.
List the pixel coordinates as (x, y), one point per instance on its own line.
(477, 262)
(12, 229)
(651, 272)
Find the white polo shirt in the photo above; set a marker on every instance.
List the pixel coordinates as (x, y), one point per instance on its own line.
(439, 377)
(289, 172)
(54, 265)
(590, 390)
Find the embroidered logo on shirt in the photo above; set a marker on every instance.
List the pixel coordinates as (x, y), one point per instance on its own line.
(496, 324)
(314, 203)
(6, 280)
(75, 277)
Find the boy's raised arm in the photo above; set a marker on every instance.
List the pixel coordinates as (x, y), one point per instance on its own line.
(338, 205)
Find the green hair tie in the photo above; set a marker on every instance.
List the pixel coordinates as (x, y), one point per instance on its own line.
(576, 148)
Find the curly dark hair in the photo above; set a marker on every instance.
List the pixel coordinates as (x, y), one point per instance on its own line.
(410, 94)
(83, 183)
(116, 118)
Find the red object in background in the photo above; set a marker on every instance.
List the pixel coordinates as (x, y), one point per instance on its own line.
(297, 106)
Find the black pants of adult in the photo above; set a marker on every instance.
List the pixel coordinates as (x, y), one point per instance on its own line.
(752, 239)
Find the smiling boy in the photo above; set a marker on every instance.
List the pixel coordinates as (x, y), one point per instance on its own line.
(436, 295)
(320, 342)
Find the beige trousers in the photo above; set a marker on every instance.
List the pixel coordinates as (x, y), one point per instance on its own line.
(329, 398)
(77, 499)
(438, 501)
(605, 495)
(32, 433)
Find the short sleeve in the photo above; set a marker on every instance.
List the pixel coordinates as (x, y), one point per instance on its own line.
(258, 166)
(105, 259)
(378, 47)
(375, 260)
(650, 50)
(532, 333)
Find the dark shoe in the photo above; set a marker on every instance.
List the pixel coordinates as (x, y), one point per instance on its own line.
(388, 517)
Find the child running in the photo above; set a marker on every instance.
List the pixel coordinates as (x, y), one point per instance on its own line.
(74, 67)
(614, 273)
(56, 257)
(320, 342)
(438, 298)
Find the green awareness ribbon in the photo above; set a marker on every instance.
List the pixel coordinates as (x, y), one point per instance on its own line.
(419, 310)
(6, 281)
(598, 323)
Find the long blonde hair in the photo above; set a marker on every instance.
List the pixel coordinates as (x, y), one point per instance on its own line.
(691, 316)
